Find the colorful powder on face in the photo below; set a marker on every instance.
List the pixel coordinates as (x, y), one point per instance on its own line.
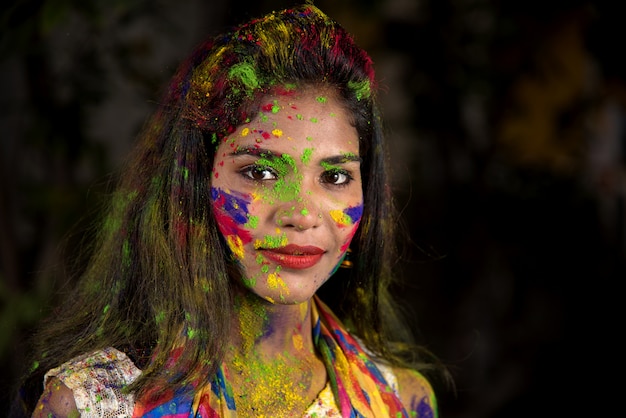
(348, 216)
(277, 133)
(321, 99)
(253, 222)
(340, 218)
(245, 131)
(249, 282)
(287, 190)
(299, 116)
(306, 155)
(231, 214)
(270, 241)
(283, 190)
(355, 213)
(273, 281)
(314, 120)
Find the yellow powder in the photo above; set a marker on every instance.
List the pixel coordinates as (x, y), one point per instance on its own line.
(340, 217)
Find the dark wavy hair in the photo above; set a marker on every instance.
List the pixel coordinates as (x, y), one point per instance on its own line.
(160, 267)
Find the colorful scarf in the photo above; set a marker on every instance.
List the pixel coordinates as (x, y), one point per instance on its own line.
(359, 388)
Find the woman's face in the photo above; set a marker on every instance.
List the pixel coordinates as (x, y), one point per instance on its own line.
(287, 194)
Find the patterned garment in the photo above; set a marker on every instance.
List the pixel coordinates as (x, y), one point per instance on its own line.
(97, 381)
(356, 387)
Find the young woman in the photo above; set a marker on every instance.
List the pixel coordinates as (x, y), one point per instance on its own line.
(260, 178)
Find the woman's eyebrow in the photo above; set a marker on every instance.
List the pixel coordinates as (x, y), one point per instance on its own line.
(252, 150)
(266, 153)
(341, 159)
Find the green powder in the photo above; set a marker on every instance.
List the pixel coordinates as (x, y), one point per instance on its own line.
(306, 155)
(246, 74)
(191, 333)
(283, 190)
(286, 191)
(361, 89)
(270, 241)
(249, 282)
(126, 253)
(253, 222)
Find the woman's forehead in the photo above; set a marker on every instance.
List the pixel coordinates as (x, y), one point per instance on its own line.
(313, 118)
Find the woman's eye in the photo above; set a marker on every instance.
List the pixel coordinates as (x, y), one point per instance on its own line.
(258, 173)
(336, 177)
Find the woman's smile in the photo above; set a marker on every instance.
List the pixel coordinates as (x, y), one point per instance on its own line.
(293, 256)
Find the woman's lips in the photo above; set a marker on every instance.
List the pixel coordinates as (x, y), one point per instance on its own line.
(294, 256)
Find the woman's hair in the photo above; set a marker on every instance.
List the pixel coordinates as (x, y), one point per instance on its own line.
(159, 277)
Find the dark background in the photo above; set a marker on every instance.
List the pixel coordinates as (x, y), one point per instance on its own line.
(507, 130)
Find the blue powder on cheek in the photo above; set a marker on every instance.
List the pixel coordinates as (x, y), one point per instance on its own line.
(235, 206)
(355, 213)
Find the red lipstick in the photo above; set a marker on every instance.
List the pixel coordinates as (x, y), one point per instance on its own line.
(294, 256)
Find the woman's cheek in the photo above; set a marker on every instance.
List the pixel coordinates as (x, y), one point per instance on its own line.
(347, 220)
(233, 218)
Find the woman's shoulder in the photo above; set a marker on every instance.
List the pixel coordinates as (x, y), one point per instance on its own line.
(416, 393)
(57, 400)
(94, 383)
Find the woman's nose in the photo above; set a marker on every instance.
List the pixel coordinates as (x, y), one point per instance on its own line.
(300, 214)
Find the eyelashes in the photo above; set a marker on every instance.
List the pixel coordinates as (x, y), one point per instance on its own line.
(335, 177)
(258, 173)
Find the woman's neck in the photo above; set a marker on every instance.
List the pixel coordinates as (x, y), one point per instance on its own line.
(271, 361)
(261, 329)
